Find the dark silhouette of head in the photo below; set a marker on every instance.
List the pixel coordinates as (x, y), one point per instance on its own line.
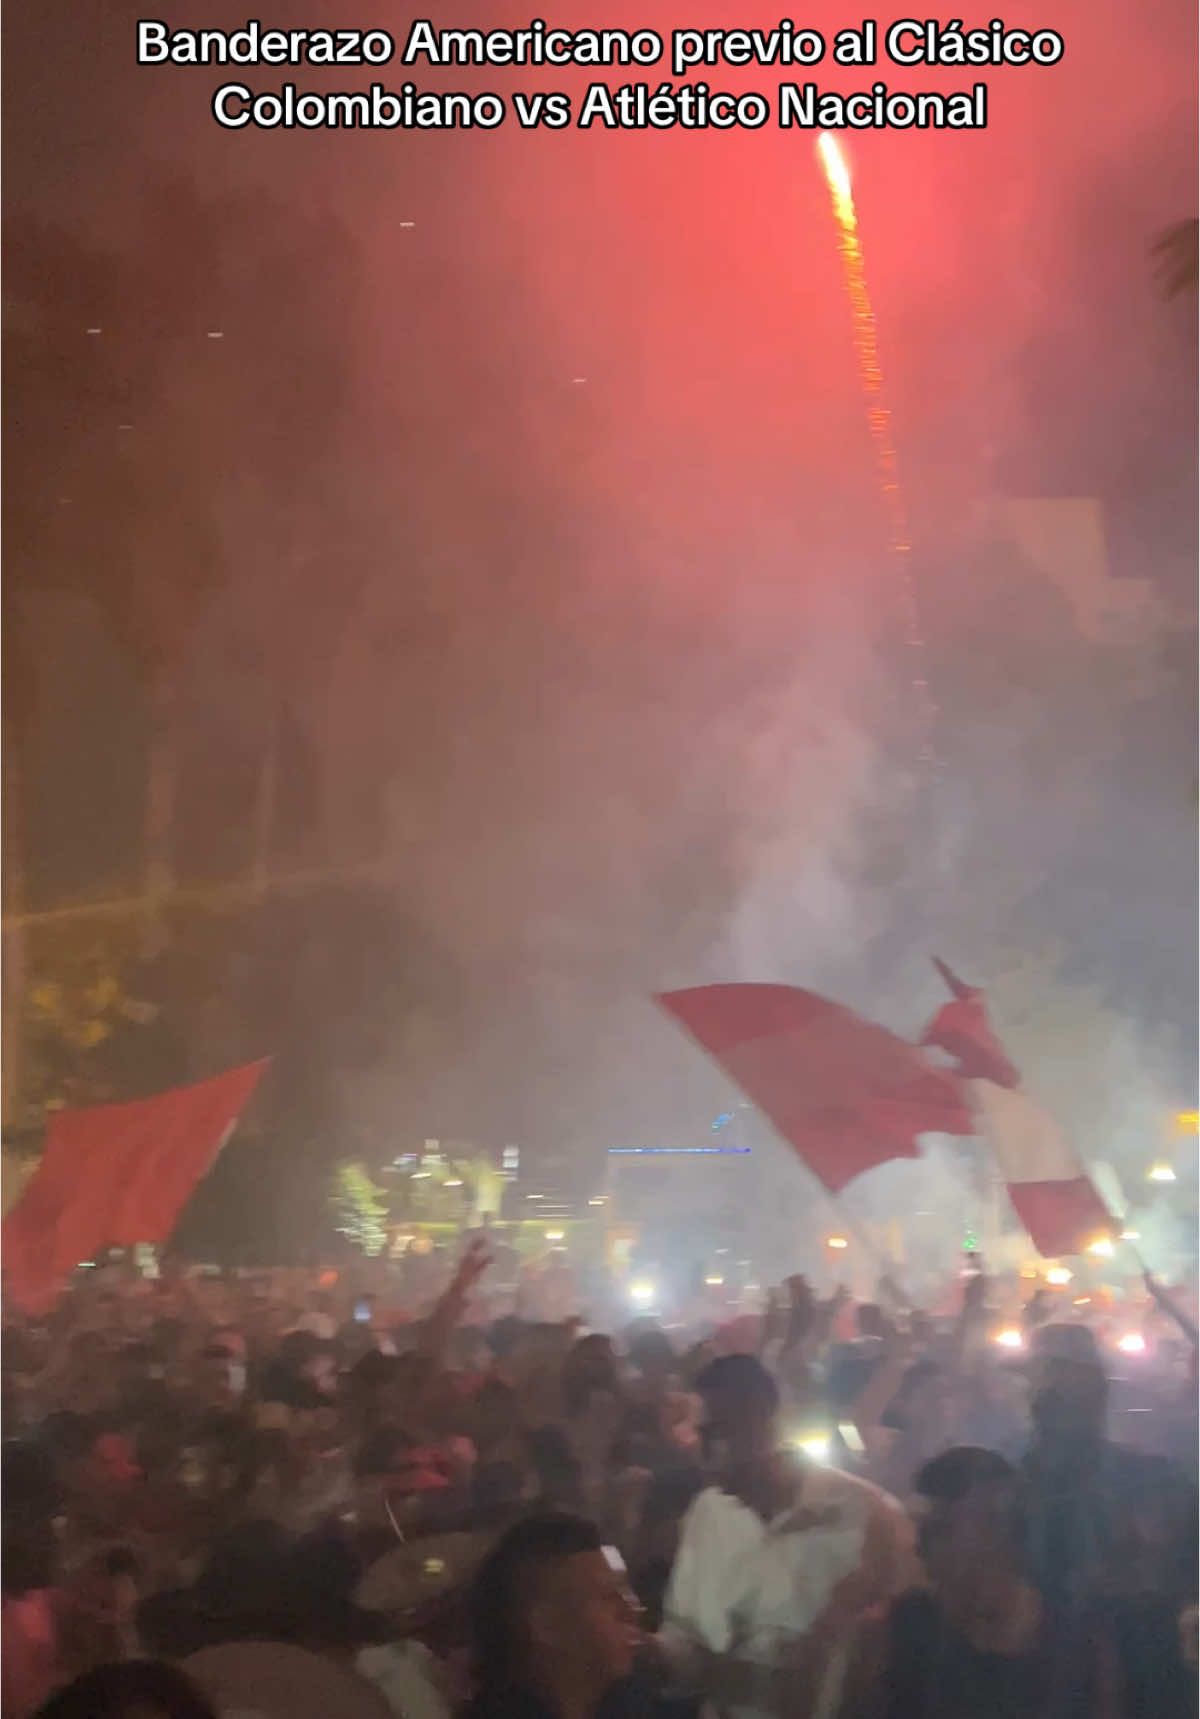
(741, 1404)
(549, 1612)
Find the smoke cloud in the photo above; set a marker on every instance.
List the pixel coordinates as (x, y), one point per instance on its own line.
(570, 564)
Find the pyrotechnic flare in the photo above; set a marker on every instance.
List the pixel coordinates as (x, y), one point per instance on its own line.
(879, 418)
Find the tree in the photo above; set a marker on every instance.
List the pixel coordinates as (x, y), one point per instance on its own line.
(142, 383)
(361, 1209)
(94, 1029)
(485, 1182)
(52, 388)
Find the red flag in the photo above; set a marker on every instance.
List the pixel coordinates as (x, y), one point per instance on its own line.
(116, 1175)
(1049, 1188)
(844, 1093)
(184, 1132)
(963, 1031)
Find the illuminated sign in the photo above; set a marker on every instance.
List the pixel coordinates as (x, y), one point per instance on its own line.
(679, 1151)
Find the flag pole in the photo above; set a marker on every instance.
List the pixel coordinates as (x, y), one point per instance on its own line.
(1163, 1301)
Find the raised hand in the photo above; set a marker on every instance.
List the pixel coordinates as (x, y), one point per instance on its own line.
(471, 1267)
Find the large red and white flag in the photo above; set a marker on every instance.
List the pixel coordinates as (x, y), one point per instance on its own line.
(844, 1093)
(115, 1175)
(1050, 1190)
(847, 1095)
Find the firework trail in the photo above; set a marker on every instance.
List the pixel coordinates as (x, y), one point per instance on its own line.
(879, 419)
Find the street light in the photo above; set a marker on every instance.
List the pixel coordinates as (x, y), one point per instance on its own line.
(1160, 1172)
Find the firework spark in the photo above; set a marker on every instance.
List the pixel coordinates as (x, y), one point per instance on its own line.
(879, 418)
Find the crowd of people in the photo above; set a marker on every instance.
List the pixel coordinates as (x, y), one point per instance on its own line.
(260, 1494)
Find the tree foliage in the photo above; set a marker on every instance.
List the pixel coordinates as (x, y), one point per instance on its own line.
(96, 1029)
(361, 1209)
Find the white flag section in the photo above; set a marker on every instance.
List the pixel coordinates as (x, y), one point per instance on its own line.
(1051, 1191)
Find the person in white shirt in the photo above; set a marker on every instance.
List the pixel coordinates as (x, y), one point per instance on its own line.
(778, 1560)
